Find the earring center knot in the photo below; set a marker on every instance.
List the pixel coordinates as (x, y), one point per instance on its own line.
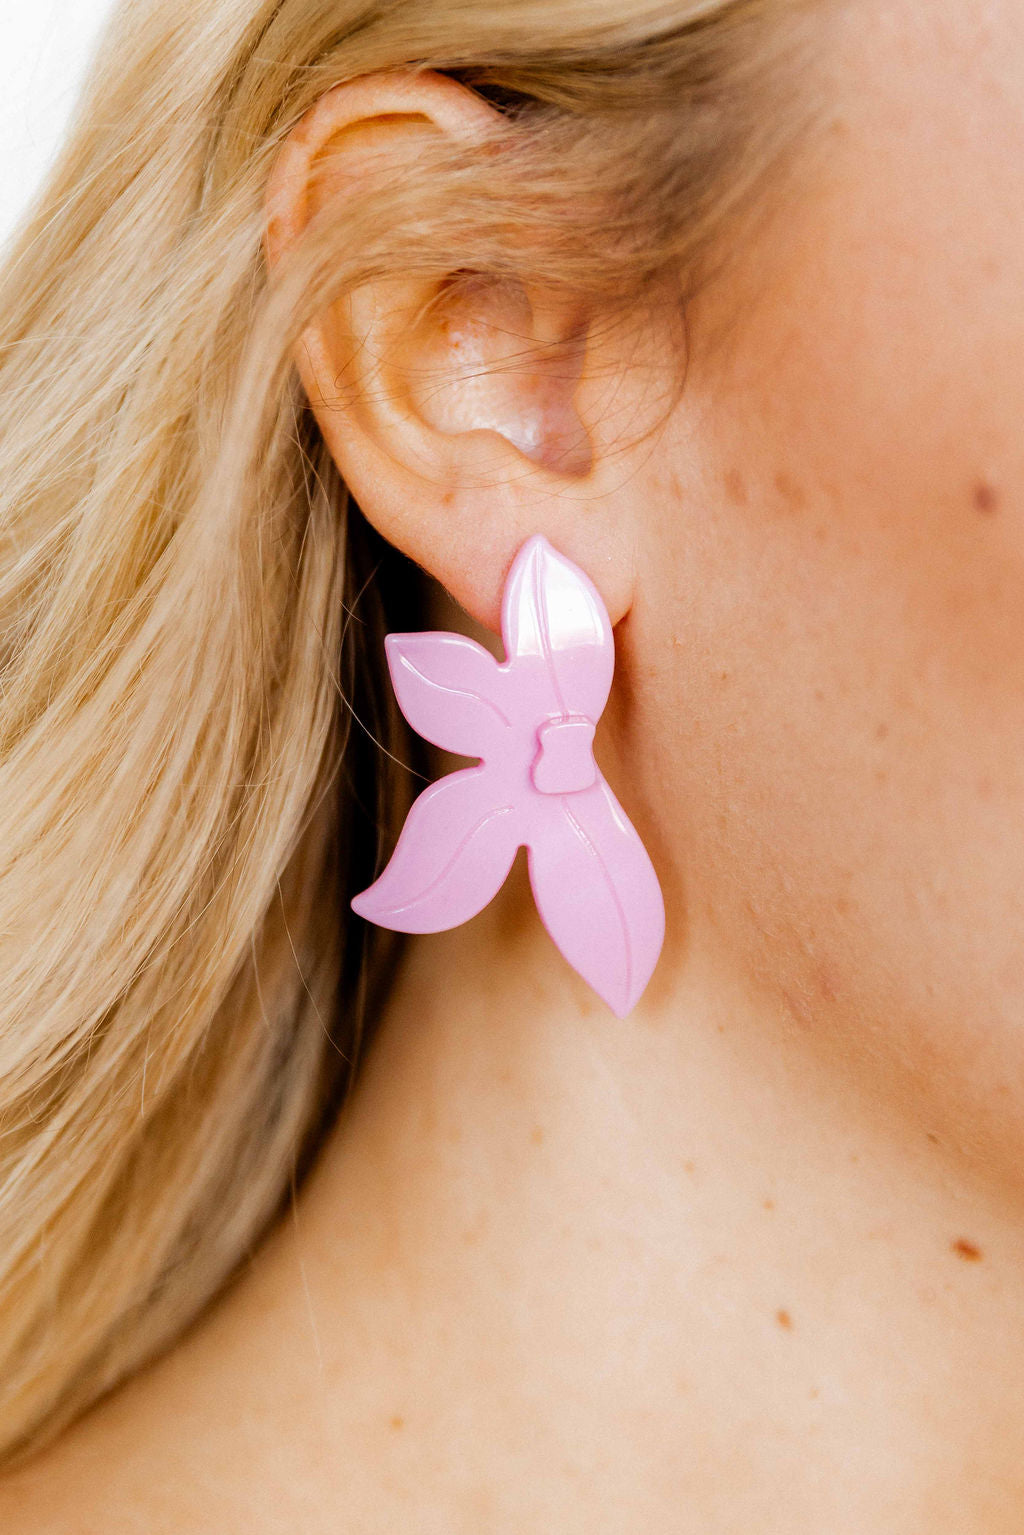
(564, 763)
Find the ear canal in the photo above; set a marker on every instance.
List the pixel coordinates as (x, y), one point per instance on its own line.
(487, 361)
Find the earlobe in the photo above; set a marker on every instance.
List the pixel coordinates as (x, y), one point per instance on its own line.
(448, 402)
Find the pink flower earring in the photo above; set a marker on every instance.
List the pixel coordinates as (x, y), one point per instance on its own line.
(531, 721)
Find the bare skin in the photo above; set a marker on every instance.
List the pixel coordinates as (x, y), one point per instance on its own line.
(753, 1259)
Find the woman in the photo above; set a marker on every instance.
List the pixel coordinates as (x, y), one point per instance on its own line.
(327, 310)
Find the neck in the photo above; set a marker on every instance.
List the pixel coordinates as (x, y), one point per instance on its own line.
(672, 1252)
(556, 1270)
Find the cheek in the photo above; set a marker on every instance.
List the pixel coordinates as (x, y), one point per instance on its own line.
(838, 695)
(842, 726)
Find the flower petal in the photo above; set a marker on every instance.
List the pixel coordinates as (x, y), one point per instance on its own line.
(450, 689)
(597, 892)
(453, 856)
(553, 618)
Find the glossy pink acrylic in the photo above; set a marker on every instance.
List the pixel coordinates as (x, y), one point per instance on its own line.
(531, 720)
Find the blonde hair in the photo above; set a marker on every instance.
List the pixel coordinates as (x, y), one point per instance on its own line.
(198, 758)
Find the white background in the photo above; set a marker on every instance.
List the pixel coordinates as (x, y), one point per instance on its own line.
(45, 47)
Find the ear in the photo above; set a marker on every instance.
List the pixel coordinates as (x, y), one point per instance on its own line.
(471, 415)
